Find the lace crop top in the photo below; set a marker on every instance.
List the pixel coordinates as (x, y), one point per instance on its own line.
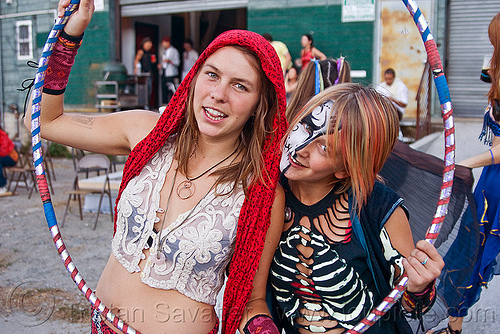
(196, 251)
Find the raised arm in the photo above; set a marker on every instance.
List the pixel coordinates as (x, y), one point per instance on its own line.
(318, 54)
(115, 133)
(490, 157)
(422, 264)
(257, 303)
(419, 275)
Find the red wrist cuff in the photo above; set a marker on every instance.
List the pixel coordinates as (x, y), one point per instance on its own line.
(262, 324)
(59, 66)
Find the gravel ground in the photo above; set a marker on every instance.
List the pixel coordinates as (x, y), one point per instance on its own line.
(37, 295)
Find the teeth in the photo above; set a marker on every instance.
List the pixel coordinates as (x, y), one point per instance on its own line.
(295, 161)
(214, 114)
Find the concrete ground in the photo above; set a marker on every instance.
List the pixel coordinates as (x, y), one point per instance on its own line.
(484, 316)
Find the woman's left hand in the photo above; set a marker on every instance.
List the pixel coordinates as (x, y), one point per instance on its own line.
(423, 266)
(80, 19)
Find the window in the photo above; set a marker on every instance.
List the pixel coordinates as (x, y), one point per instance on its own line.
(24, 40)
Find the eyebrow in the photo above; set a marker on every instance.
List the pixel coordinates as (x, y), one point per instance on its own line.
(242, 80)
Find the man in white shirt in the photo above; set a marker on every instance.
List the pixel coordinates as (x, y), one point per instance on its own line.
(169, 63)
(189, 57)
(395, 90)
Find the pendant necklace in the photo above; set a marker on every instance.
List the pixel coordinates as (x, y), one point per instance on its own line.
(187, 188)
(158, 257)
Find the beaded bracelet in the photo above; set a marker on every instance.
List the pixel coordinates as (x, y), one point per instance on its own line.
(492, 157)
(70, 42)
(421, 300)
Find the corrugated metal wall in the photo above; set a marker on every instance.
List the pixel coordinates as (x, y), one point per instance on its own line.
(468, 43)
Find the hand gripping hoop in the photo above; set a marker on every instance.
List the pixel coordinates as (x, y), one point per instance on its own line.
(387, 303)
(41, 180)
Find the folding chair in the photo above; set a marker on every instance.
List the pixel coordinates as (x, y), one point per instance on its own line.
(22, 175)
(83, 168)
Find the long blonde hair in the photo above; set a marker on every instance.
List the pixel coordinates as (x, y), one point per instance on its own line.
(365, 125)
(252, 137)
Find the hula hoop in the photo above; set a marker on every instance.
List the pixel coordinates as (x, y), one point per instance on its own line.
(449, 160)
(384, 306)
(41, 180)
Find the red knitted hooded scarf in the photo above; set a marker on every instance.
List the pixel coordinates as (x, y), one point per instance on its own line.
(255, 214)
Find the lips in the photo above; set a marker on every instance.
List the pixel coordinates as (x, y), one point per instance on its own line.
(213, 114)
(294, 161)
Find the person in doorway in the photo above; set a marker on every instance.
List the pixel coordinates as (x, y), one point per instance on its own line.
(346, 240)
(189, 57)
(170, 62)
(199, 194)
(309, 51)
(145, 62)
(395, 90)
(282, 51)
(8, 158)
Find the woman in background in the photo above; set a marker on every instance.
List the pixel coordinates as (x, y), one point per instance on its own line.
(486, 194)
(309, 51)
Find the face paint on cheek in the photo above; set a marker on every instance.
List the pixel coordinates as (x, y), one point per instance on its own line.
(309, 128)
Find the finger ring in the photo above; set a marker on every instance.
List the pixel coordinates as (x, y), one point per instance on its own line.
(425, 261)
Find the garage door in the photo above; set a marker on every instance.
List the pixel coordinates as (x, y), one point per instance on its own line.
(468, 44)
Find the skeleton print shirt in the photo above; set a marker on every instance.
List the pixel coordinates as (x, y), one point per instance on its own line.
(319, 283)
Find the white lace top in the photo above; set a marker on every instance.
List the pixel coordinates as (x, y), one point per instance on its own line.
(195, 252)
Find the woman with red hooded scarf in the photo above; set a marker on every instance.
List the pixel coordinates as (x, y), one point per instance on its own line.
(199, 192)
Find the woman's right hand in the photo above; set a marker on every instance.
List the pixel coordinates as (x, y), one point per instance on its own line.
(80, 19)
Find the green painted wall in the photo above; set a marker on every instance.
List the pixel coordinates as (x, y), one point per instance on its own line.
(331, 36)
(92, 56)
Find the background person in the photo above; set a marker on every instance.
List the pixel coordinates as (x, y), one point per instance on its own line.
(291, 81)
(199, 190)
(145, 62)
(8, 158)
(282, 51)
(170, 62)
(189, 57)
(395, 90)
(486, 194)
(309, 51)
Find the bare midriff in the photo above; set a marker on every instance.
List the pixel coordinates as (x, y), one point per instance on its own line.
(151, 310)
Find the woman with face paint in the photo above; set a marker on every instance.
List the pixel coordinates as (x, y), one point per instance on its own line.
(346, 238)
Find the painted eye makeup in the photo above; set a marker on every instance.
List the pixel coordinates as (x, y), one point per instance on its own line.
(307, 127)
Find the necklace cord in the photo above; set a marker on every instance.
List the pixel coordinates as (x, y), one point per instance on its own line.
(217, 164)
(188, 185)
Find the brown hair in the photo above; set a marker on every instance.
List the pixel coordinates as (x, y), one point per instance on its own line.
(306, 84)
(252, 137)
(365, 125)
(494, 93)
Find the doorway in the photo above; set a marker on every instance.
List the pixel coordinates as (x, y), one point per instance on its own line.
(143, 30)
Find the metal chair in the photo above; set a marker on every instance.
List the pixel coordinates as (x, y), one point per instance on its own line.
(22, 175)
(84, 167)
